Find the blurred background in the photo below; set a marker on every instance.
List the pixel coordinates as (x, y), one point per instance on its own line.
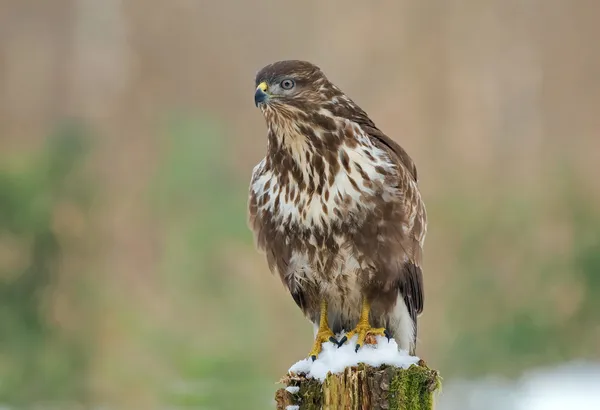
(128, 133)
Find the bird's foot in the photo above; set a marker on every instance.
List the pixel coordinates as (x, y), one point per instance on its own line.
(366, 334)
(323, 335)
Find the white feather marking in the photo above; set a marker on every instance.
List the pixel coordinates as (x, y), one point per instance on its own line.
(402, 325)
(300, 271)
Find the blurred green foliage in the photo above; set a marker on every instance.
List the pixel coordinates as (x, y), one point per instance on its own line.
(202, 209)
(518, 323)
(200, 202)
(36, 360)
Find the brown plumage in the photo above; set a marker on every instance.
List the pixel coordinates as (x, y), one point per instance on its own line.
(335, 206)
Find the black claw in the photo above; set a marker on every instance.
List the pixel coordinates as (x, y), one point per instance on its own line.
(357, 347)
(387, 334)
(313, 357)
(341, 342)
(333, 340)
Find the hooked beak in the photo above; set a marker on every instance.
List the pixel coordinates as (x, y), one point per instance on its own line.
(261, 96)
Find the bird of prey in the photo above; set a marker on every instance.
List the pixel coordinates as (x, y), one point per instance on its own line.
(336, 208)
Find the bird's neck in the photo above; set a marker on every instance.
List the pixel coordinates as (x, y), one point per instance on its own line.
(302, 149)
(289, 152)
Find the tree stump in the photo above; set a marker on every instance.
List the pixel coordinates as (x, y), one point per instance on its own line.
(362, 388)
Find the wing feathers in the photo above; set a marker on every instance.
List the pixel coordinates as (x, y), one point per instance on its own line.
(411, 287)
(379, 138)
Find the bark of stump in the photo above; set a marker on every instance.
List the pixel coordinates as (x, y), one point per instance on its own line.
(363, 388)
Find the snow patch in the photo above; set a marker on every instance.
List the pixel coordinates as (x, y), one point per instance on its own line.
(335, 360)
(292, 407)
(292, 389)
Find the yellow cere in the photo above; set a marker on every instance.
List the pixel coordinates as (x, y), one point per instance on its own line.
(263, 86)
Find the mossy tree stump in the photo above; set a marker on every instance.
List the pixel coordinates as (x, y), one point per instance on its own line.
(362, 388)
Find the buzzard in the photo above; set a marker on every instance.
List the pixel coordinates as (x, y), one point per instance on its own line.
(336, 208)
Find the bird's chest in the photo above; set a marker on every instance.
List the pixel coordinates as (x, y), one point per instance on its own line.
(322, 200)
(311, 216)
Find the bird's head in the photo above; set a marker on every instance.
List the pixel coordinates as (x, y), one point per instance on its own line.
(300, 104)
(292, 85)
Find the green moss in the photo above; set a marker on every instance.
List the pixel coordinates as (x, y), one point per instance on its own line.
(311, 395)
(412, 389)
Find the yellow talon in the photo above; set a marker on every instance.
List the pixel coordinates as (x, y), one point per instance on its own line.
(323, 335)
(363, 329)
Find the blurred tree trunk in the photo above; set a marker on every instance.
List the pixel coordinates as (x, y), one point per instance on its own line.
(362, 388)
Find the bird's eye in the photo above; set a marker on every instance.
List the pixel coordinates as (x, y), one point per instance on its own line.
(287, 84)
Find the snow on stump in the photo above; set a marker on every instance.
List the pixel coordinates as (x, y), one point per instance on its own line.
(377, 377)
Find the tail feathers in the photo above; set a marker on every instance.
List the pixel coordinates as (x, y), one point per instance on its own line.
(402, 327)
